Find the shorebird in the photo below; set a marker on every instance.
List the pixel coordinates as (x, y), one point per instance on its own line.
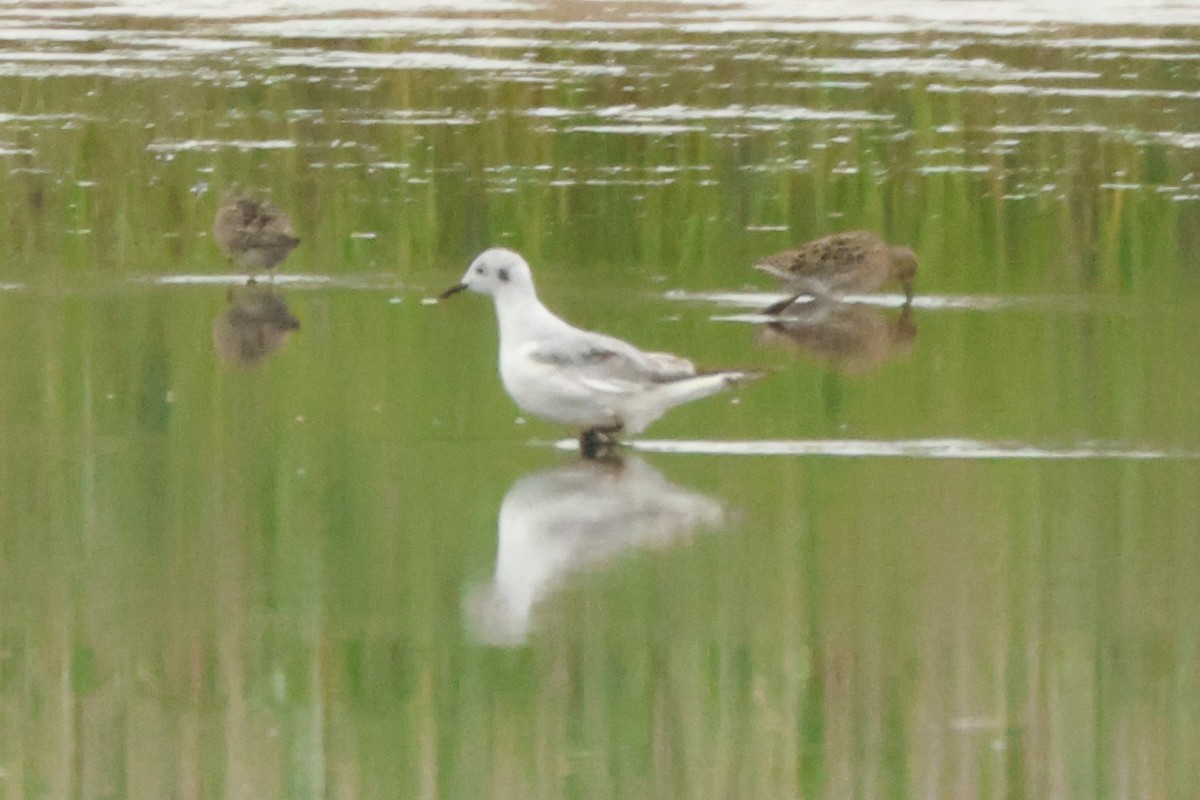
(594, 382)
(853, 261)
(254, 233)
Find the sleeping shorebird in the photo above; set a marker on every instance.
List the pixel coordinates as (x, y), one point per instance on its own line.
(254, 233)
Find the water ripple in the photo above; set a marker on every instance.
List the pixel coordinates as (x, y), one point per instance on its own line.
(1053, 303)
(953, 449)
(212, 145)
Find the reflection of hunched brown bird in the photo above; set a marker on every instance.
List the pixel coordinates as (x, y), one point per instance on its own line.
(852, 339)
(256, 324)
(254, 233)
(854, 261)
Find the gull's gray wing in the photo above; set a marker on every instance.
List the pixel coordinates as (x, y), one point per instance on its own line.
(606, 364)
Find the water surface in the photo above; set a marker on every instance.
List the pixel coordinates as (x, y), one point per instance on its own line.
(942, 551)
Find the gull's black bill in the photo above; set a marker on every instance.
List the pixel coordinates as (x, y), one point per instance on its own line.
(453, 290)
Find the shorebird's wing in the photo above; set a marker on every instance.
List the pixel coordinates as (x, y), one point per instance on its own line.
(608, 365)
(271, 226)
(837, 254)
(823, 259)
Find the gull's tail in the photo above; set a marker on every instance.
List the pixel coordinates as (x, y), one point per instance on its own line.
(653, 404)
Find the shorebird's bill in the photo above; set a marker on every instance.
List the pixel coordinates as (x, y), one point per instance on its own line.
(453, 290)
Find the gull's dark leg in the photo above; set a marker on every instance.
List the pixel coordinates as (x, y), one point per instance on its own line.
(589, 443)
(598, 443)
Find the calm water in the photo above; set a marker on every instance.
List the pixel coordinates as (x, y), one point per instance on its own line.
(944, 552)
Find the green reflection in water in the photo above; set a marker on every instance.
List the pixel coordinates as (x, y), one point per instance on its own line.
(224, 582)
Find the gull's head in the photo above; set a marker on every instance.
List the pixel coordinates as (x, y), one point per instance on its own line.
(496, 271)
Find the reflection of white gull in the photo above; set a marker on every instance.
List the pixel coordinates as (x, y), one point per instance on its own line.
(570, 519)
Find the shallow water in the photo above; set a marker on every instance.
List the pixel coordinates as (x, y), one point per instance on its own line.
(945, 551)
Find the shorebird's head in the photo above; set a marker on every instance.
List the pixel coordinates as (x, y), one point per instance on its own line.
(494, 271)
(904, 267)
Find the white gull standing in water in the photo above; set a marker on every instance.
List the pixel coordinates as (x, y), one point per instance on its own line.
(559, 372)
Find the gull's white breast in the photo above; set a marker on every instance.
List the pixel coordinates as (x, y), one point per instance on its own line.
(555, 392)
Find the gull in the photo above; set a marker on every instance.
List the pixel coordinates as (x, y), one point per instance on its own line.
(853, 261)
(594, 382)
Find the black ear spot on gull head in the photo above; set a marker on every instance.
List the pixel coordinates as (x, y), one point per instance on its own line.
(502, 274)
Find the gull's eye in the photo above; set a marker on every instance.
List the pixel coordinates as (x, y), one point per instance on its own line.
(479, 270)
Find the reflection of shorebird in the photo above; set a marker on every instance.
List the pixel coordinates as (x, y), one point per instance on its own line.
(254, 233)
(854, 261)
(571, 519)
(256, 324)
(557, 371)
(850, 338)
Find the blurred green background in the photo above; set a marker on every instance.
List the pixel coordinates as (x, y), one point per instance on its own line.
(354, 570)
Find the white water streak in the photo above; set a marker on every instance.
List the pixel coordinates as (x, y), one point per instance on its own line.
(954, 449)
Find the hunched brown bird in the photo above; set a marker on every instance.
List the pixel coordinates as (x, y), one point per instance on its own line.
(852, 261)
(255, 233)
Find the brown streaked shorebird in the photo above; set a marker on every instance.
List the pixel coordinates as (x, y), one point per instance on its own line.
(257, 324)
(853, 261)
(255, 233)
